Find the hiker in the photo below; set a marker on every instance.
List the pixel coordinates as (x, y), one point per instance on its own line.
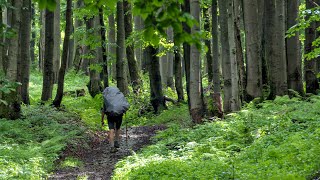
(114, 106)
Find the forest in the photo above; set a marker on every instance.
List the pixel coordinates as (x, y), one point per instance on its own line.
(218, 89)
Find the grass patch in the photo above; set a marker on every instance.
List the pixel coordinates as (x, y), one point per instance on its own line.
(272, 140)
(30, 146)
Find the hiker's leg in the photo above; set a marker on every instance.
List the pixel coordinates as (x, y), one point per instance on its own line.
(111, 137)
(118, 131)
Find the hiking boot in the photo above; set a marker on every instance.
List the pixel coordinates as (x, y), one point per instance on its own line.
(116, 144)
(113, 149)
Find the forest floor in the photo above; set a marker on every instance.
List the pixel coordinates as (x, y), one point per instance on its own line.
(98, 161)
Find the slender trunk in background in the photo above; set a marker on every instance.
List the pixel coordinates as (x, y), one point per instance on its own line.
(104, 49)
(206, 22)
(226, 61)
(132, 63)
(62, 71)
(42, 39)
(178, 75)
(71, 48)
(13, 110)
(25, 50)
(235, 100)
(33, 35)
(57, 41)
(262, 35)
(1, 48)
(112, 46)
(254, 63)
(186, 50)
(170, 59)
(196, 101)
(78, 47)
(48, 57)
(138, 47)
(122, 82)
(157, 98)
(277, 64)
(310, 66)
(216, 63)
(238, 15)
(164, 68)
(293, 49)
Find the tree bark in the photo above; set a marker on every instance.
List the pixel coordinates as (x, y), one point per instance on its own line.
(48, 75)
(78, 47)
(25, 50)
(13, 110)
(1, 48)
(208, 44)
(277, 61)
(254, 63)
(71, 52)
(310, 66)
(170, 59)
(196, 101)
(235, 100)
(293, 49)
(133, 66)
(57, 41)
(157, 98)
(104, 49)
(186, 50)
(62, 71)
(42, 39)
(33, 35)
(112, 46)
(178, 75)
(226, 70)
(138, 26)
(216, 63)
(122, 82)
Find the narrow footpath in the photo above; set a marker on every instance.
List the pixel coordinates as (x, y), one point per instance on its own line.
(99, 163)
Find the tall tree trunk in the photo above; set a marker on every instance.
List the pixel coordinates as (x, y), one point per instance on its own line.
(186, 50)
(293, 50)
(112, 46)
(216, 63)
(57, 41)
(235, 100)
(104, 49)
(277, 61)
(164, 68)
(42, 39)
(262, 35)
(310, 66)
(226, 61)
(157, 98)
(196, 101)
(25, 50)
(170, 60)
(94, 85)
(122, 82)
(62, 71)
(254, 63)
(13, 110)
(238, 18)
(133, 66)
(48, 75)
(33, 35)
(208, 44)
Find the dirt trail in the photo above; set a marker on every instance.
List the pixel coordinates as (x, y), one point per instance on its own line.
(99, 162)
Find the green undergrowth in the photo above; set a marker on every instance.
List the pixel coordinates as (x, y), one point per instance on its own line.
(272, 140)
(30, 146)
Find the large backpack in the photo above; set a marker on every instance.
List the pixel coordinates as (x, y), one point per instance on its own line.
(114, 101)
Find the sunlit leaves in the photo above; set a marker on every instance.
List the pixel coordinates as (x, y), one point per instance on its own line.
(49, 4)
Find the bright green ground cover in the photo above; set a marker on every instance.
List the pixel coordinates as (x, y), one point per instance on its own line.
(273, 140)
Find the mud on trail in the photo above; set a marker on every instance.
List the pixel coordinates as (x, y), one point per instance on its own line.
(98, 162)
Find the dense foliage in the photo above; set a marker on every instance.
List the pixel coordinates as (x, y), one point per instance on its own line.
(271, 140)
